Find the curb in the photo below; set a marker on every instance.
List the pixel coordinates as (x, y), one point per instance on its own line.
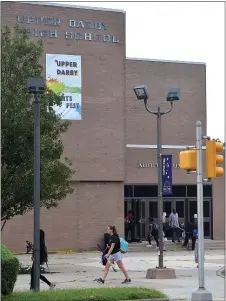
(57, 252)
(161, 299)
(184, 299)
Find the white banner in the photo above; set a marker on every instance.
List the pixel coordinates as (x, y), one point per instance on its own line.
(63, 75)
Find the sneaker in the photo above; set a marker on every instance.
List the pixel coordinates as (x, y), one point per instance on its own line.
(149, 246)
(126, 281)
(99, 280)
(52, 286)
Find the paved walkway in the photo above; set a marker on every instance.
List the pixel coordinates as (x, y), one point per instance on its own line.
(79, 271)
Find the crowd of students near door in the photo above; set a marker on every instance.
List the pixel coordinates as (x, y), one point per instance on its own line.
(173, 226)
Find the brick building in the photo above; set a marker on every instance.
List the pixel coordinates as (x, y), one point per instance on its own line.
(110, 177)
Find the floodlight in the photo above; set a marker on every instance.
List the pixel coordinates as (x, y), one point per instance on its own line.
(173, 95)
(141, 92)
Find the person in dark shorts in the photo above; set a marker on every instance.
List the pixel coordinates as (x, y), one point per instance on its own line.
(43, 259)
(114, 255)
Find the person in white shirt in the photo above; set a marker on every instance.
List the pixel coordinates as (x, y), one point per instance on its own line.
(174, 224)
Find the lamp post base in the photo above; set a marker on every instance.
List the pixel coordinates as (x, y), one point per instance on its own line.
(161, 273)
(201, 295)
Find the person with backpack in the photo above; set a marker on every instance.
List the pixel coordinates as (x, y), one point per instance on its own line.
(190, 233)
(130, 226)
(150, 233)
(113, 255)
(155, 234)
(43, 259)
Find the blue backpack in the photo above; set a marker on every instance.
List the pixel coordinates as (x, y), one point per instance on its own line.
(195, 233)
(124, 246)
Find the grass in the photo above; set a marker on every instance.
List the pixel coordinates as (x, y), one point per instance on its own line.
(99, 294)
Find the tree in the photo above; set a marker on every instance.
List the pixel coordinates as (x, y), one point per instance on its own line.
(20, 59)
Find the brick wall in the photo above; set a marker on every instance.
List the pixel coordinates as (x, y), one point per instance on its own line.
(77, 224)
(96, 144)
(178, 127)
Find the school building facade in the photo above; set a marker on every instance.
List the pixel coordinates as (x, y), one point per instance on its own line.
(110, 177)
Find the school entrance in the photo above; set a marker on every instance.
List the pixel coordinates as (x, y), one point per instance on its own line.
(143, 201)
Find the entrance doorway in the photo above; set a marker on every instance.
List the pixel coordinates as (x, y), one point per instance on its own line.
(145, 208)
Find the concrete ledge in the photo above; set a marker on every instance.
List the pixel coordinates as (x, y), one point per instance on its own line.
(161, 299)
(159, 273)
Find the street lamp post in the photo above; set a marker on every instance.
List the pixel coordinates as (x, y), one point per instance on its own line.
(36, 87)
(174, 95)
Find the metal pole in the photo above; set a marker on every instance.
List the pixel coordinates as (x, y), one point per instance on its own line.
(200, 203)
(201, 294)
(160, 200)
(36, 269)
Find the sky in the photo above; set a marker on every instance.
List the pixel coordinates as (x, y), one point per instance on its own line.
(196, 30)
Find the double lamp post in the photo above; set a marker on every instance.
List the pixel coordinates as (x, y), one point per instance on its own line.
(173, 95)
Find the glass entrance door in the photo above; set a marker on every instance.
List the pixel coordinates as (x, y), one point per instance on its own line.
(192, 210)
(137, 208)
(207, 218)
(179, 205)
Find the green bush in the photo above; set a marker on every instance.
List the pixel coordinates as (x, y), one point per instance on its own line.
(10, 268)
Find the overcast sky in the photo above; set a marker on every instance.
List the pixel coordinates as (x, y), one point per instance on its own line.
(183, 31)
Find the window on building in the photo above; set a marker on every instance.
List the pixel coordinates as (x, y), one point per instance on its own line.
(145, 191)
(192, 191)
(207, 191)
(179, 191)
(128, 191)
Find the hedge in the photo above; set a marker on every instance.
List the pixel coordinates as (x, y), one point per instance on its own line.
(9, 269)
(97, 294)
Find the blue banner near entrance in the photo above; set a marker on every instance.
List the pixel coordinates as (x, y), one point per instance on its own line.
(166, 175)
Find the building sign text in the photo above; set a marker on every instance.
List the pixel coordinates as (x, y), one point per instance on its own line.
(96, 26)
(154, 165)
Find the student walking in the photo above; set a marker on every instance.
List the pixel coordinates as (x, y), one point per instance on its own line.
(43, 259)
(114, 255)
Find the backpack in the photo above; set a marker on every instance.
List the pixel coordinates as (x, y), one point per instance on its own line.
(124, 246)
(195, 233)
(155, 226)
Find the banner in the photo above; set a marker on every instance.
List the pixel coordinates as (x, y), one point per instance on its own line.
(166, 175)
(63, 75)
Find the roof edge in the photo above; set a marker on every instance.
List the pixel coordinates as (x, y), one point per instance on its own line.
(165, 61)
(73, 6)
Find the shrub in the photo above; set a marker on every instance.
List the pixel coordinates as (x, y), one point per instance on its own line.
(9, 268)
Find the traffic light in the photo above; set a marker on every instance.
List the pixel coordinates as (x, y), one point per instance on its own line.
(187, 159)
(213, 159)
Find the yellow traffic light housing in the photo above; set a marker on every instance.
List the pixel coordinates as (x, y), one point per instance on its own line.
(213, 159)
(187, 160)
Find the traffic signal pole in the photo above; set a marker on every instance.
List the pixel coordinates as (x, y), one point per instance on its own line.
(201, 294)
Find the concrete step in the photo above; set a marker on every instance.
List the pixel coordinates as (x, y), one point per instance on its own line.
(142, 247)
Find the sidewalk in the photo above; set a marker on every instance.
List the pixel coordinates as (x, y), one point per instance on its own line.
(79, 271)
